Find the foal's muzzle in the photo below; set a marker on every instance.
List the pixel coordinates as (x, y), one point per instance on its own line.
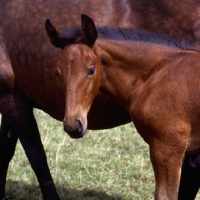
(75, 129)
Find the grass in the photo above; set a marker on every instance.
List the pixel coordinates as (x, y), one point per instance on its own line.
(109, 164)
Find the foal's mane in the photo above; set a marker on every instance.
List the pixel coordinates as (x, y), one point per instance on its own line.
(112, 33)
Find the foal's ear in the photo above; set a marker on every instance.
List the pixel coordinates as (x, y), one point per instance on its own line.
(55, 36)
(89, 30)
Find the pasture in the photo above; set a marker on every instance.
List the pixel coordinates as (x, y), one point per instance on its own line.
(109, 164)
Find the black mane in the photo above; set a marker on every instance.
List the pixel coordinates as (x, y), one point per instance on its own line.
(112, 33)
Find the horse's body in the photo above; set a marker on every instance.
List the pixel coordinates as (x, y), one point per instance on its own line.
(27, 65)
(155, 80)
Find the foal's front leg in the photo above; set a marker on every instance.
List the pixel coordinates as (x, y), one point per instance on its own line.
(7, 148)
(167, 153)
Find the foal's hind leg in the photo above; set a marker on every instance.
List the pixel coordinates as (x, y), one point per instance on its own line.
(190, 178)
(7, 148)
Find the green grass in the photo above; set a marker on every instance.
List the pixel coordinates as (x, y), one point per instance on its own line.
(109, 164)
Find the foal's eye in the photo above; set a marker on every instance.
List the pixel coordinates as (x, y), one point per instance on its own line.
(91, 71)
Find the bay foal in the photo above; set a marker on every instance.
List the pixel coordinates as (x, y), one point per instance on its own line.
(154, 79)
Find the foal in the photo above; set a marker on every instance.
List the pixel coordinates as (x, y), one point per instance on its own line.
(157, 83)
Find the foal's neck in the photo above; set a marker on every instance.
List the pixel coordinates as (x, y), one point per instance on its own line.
(126, 63)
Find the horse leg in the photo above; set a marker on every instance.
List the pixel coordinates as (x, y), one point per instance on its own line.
(31, 142)
(7, 148)
(23, 123)
(190, 178)
(167, 154)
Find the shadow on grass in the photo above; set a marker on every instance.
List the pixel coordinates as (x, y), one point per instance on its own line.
(19, 190)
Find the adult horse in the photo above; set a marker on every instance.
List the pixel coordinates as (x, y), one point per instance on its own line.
(160, 90)
(27, 63)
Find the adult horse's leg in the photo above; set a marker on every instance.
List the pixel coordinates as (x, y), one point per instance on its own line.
(190, 178)
(23, 123)
(7, 148)
(31, 142)
(7, 137)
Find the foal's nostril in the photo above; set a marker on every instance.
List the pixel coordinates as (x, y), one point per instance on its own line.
(75, 129)
(79, 126)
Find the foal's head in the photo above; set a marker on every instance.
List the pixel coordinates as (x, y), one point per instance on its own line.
(79, 72)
